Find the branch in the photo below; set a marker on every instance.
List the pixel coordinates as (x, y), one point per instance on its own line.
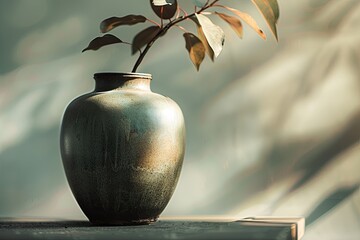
(164, 30)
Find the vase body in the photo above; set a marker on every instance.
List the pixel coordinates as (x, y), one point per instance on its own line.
(122, 148)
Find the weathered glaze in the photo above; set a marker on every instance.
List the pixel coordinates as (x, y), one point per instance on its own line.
(122, 148)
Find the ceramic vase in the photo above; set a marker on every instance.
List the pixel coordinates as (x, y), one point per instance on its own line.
(122, 148)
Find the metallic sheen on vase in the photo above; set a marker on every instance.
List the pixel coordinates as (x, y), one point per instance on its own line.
(122, 148)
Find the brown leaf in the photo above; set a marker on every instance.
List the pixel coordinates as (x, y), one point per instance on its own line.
(267, 11)
(99, 42)
(113, 22)
(195, 48)
(233, 22)
(144, 37)
(214, 34)
(202, 37)
(248, 19)
(165, 11)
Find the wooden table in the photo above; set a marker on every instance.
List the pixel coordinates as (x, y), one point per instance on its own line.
(163, 229)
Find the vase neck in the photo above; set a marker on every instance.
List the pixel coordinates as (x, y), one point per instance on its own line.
(119, 81)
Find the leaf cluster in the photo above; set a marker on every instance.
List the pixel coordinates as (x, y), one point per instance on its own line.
(208, 40)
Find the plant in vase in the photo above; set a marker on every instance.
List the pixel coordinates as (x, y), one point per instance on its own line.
(122, 145)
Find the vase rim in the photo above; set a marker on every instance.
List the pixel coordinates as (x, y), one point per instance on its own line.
(124, 74)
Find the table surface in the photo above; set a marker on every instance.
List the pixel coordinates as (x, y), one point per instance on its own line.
(163, 229)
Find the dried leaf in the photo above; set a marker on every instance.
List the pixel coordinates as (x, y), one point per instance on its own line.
(214, 34)
(99, 42)
(113, 22)
(233, 22)
(195, 48)
(164, 9)
(275, 7)
(144, 37)
(202, 37)
(248, 19)
(267, 11)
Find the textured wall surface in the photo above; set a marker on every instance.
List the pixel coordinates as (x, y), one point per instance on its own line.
(272, 129)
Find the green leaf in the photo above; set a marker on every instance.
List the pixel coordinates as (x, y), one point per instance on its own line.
(233, 22)
(195, 48)
(113, 22)
(248, 19)
(144, 37)
(214, 34)
(164, 9)
(267, 11)
(99, 42)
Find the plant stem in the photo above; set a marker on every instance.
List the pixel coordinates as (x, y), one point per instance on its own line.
(155, 23)
(164, 29)
(181, 28)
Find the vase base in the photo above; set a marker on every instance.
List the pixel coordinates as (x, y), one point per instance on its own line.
(113, 222)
